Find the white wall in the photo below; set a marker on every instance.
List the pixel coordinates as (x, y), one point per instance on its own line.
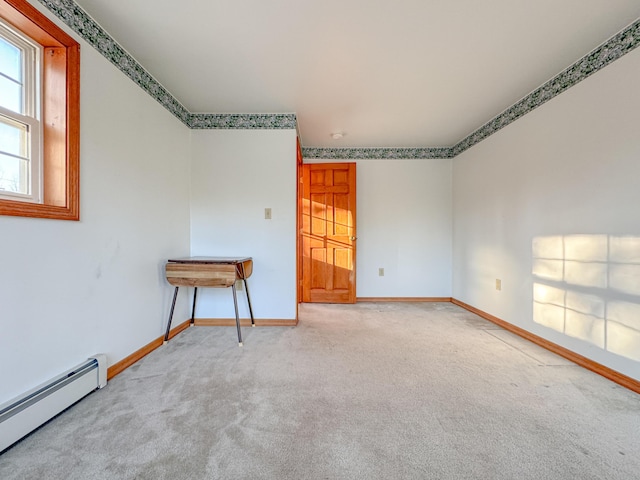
(236, 174)
(404, 226)
(549, 205)
(69, 290)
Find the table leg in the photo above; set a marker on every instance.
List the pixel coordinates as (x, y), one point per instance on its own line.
(235, 304)
(193, 308)
(246, 288)
(173, 304)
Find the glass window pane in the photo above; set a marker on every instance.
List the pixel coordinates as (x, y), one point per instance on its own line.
(13, 137)
(14, 175)
(10, 60)
(10, 95)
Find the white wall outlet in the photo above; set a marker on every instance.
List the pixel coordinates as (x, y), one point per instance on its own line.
(239, 285)
(267, 214)
(381, 272)
(498, 284)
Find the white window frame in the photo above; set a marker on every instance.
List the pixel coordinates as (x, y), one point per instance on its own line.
(30, 115)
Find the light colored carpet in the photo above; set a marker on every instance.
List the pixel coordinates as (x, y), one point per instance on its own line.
(365, 391)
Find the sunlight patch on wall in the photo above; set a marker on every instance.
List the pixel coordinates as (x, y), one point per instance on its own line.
(624, 329)
(588, 287)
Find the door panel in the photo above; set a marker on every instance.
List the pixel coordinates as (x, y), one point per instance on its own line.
(328, 229)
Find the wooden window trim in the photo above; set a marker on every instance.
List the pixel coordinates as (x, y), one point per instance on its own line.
(60, 115)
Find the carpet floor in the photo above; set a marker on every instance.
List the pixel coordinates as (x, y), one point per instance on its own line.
(365, 391)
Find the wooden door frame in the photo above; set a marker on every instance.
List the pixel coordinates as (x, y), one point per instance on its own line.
(299, 162)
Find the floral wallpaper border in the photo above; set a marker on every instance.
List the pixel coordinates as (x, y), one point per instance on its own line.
(81, 23)
(78, 20)
(597, 59)
(620, 44)
(243, 121)
(377, 153)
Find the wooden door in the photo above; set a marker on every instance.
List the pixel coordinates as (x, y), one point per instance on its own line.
(328, 230)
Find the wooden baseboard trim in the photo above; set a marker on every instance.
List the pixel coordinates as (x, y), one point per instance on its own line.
(126, 362)
(403, 299)
(617, 377)
(245, 322)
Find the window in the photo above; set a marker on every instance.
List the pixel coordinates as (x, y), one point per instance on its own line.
(39, 115)
(19, 117)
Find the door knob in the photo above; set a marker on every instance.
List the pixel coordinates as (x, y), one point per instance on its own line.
(354, 238)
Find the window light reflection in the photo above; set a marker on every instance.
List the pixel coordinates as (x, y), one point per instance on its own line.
(588, 287)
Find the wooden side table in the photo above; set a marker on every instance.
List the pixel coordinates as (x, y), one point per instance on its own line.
(217, 272)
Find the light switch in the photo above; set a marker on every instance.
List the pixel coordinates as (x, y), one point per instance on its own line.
(267, 214)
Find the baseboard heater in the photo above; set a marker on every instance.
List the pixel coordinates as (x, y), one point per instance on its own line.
(25, 413)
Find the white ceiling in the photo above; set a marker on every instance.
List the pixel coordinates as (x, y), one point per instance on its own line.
(403, 73)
